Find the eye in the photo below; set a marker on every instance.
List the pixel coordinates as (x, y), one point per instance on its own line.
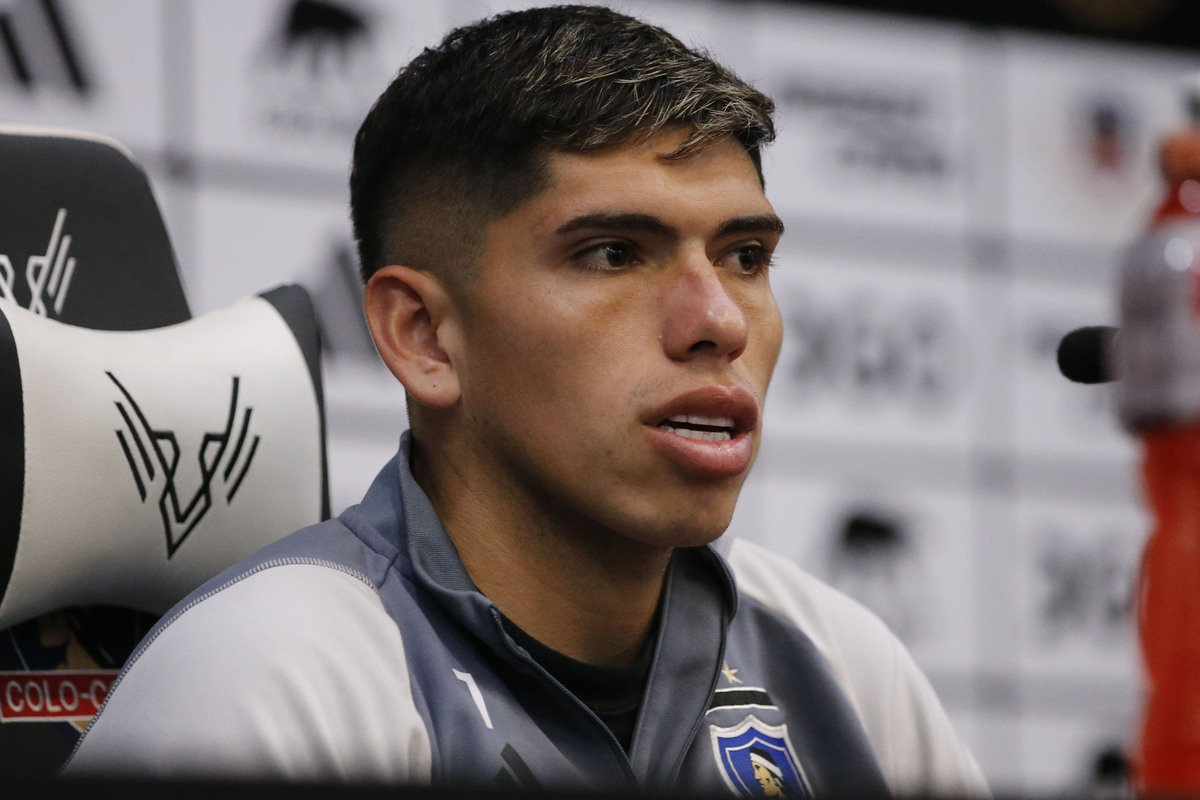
(751, 259)
(605, 257)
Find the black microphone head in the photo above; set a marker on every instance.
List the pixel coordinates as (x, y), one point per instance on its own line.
(1083, 354)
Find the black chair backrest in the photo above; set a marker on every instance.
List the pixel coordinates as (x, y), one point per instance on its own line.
(81, 238)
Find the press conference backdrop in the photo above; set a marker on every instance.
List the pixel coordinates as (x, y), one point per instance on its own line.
(956, 199)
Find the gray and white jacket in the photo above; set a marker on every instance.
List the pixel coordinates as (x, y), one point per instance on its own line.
(361, 649)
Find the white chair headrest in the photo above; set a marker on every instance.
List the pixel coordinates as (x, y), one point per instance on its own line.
(135, 465)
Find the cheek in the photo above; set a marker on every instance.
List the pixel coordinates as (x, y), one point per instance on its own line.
(556, 354)
(766, 333)
(773, 336)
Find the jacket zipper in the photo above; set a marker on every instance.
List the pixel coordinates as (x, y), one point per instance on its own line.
(712, 688)
(625, 764)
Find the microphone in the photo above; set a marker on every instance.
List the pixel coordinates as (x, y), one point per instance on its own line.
(1083, 354)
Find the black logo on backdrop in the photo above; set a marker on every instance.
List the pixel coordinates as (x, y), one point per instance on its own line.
(154, 456)
(1087, 584)
(876, 560)
(876, 127)
(39, 49)
(871, 351)
(313, 27)
(47, 275)
(317, 72)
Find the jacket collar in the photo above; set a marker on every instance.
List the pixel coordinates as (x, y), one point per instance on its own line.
(699, 601)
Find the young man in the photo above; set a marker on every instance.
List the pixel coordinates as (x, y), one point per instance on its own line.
(562, 224)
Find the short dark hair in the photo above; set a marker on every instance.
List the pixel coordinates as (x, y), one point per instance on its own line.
(461, 135)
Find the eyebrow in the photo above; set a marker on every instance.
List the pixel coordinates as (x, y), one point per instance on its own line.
(618, 222)
(760, 223)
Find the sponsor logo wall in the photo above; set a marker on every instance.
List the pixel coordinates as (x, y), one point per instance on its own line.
(956, 200)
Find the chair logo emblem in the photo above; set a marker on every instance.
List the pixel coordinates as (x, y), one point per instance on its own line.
(154, 455)
(48, 275)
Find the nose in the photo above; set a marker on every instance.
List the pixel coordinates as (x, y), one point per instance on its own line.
(701, 319)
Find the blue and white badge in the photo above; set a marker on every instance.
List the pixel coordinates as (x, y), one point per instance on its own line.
(757, 760)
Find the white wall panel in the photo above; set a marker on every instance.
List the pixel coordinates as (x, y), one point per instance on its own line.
(279, 91)
(872, 353)
(872, 117)
(903, 552)
(248, 241)
(1077, 572)
(1068, 753)
(1054, 417)
(1084, 124)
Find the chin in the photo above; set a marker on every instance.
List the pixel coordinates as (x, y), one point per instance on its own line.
(698, 528)
(700, 539)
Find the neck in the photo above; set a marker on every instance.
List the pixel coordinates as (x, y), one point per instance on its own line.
(579, 589)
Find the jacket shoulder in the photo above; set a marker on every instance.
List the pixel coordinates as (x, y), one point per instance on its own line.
(913, 739)
(292, 669)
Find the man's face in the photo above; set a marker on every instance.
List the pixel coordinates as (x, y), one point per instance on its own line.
(767, 781)
(618, 343)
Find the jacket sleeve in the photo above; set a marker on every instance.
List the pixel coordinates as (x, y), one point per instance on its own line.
(292, 672)
(914, 742)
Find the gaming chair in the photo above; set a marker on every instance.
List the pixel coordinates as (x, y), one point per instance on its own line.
(141, 451)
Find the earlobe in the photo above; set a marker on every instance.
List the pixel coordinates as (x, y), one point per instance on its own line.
(410, 314)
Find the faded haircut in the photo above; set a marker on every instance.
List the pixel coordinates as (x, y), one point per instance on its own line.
(460, 137)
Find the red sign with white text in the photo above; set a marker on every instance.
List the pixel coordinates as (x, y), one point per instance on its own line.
(49, 695)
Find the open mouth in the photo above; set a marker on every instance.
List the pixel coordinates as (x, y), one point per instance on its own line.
(705, 429)
(706, 432)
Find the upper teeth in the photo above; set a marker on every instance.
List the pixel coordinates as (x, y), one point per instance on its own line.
(712, 422)
(724, 423)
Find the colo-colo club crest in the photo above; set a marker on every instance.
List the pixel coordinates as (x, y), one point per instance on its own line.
(757, 760)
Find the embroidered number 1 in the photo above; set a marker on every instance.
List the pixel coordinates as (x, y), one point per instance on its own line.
(476, 695)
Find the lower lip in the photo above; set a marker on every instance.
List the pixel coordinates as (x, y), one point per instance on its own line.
(726, 459)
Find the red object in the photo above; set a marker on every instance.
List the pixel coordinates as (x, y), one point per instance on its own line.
(41, 696)
(1168, 758)
(1169, 615)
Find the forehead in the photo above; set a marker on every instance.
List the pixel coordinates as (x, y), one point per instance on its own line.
(718, 181)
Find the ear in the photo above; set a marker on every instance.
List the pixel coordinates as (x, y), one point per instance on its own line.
(412, 317)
